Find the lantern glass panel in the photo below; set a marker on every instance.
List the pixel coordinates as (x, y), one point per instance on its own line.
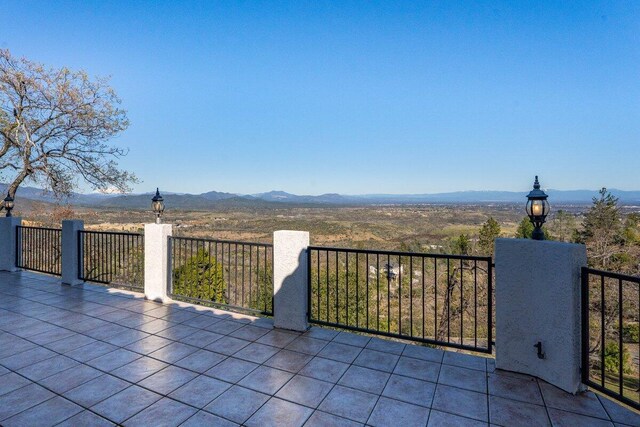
(537, 208)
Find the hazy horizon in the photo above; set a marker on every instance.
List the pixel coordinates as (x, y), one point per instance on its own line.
(371, 193)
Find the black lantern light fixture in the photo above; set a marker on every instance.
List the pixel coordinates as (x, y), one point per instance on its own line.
(157, 203)
(8, 204)
(537, 209)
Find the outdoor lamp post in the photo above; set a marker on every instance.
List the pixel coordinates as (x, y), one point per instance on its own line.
(8, 204)
(157, 203)
(537, 209)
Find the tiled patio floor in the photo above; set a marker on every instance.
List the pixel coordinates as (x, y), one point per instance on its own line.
(95, 356)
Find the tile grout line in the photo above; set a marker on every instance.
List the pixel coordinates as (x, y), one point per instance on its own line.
(385, 386)
(104, 373)
(56, 394)
(544, 402)
(603, 407)
(342, 375)
(435, 389)
(165, 317)
(172, 364)
(486, 379)
(272, 396)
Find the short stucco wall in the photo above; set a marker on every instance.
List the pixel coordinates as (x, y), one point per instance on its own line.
(70, 251)
(290, 276)
(156, 261)
(8, 232)
(538, 300)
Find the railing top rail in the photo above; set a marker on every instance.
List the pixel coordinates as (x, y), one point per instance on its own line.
(233, 242)
(612, 275)
(30, 227)
(399, 253)
(117, 233)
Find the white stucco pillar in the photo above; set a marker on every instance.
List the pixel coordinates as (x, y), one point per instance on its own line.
(290, 279)
(70, 251)
(8, 235)
(538, 301)
(156, 261)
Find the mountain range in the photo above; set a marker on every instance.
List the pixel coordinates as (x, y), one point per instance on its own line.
(216, 199)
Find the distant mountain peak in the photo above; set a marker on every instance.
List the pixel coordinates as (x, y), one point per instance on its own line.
(212, 199)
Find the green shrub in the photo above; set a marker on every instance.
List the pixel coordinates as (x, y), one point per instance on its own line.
(612, 359)
(200, 277)
(631, 332)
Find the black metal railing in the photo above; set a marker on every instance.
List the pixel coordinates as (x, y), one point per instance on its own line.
(39, 249)
(431, 298)
(228, 274)
(112, 258)
(610, 344)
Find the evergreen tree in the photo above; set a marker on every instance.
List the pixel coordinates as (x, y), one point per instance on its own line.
(461, 245)
(564, 226)
(632, 229)
(602, 231)
(489, 231)
(525, 229)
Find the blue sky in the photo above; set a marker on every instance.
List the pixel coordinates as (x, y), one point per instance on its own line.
(357, 97)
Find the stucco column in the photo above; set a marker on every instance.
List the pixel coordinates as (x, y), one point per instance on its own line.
(70, 251)
(156, 261)
(290, 279)
(8, 236)
(538, 301)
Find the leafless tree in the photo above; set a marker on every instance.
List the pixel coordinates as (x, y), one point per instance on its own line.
(55, 128)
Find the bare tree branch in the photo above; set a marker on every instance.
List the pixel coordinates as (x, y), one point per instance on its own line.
(56, 126)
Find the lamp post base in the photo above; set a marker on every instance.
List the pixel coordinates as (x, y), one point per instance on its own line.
(537, 234)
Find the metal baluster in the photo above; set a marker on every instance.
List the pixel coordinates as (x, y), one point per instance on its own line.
(475, 305)
(337, 290)
(461, 302)
(620, 348)
(602, 331)
(448, 299)
(399, 296)
(347, 286)
(357, 291)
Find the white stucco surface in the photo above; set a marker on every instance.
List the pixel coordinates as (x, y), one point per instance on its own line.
(290, 279)
(156, 261)
(8, 230)
(538, 300)
(70, 255)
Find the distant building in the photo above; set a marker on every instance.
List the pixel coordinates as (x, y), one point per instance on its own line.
(389, 270)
